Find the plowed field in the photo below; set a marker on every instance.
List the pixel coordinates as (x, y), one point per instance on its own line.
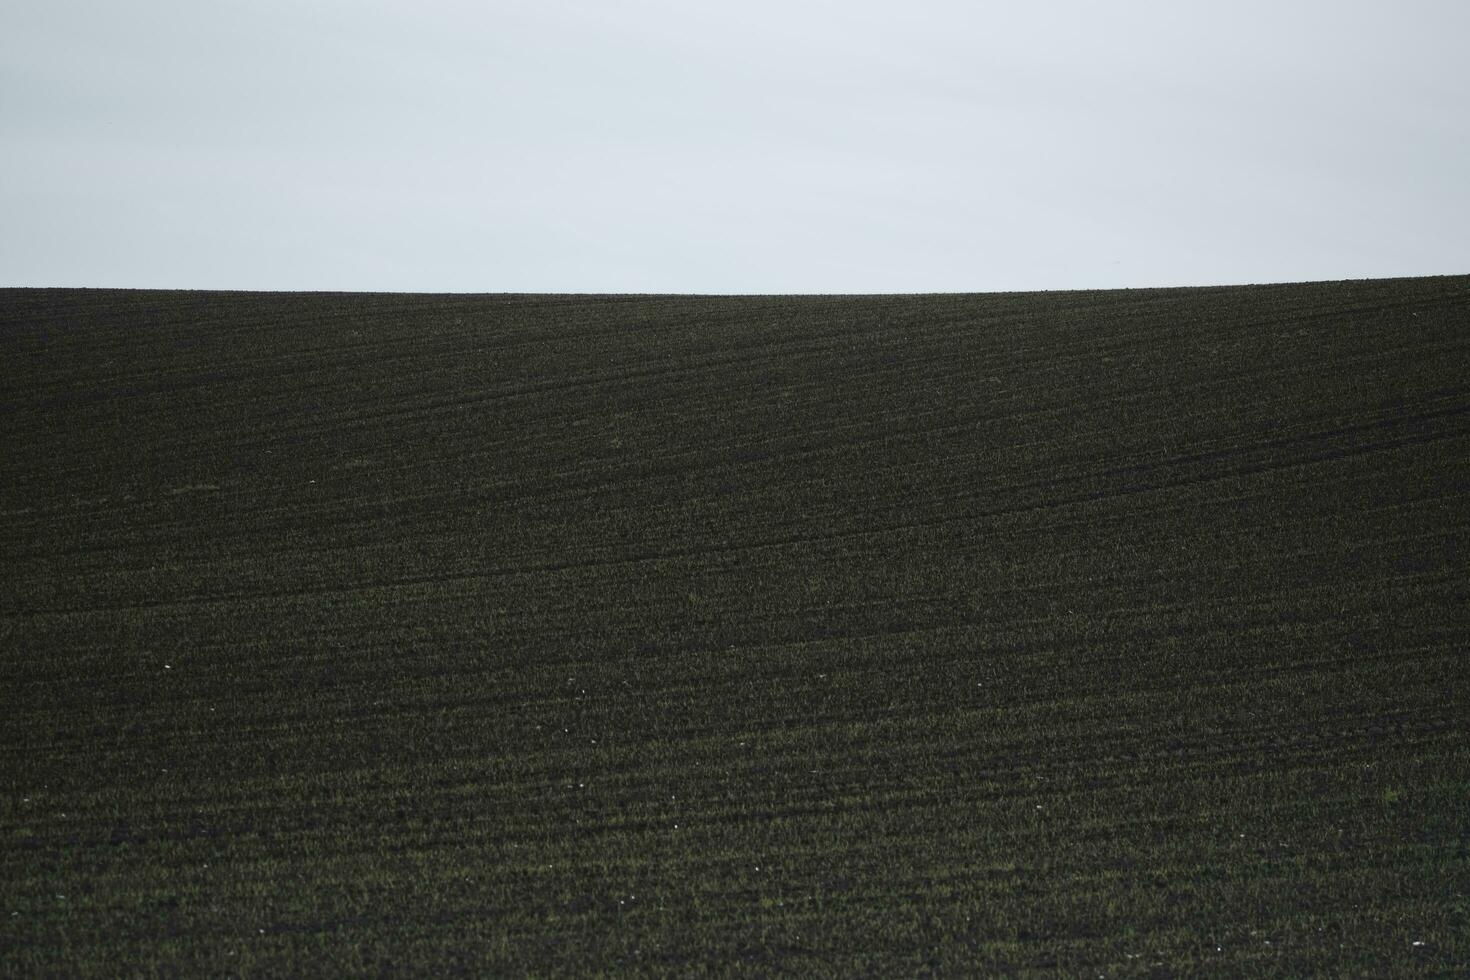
(1079, 633)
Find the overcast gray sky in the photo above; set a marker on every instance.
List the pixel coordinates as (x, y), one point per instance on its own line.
(758, 146)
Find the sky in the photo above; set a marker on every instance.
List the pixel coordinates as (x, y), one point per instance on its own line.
(765, 146)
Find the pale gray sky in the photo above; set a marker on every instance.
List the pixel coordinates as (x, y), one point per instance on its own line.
(758, 146)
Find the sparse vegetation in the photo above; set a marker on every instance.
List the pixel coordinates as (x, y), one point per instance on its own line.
(1110, 633)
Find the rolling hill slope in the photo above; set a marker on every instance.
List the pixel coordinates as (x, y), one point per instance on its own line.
(1109, 632)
